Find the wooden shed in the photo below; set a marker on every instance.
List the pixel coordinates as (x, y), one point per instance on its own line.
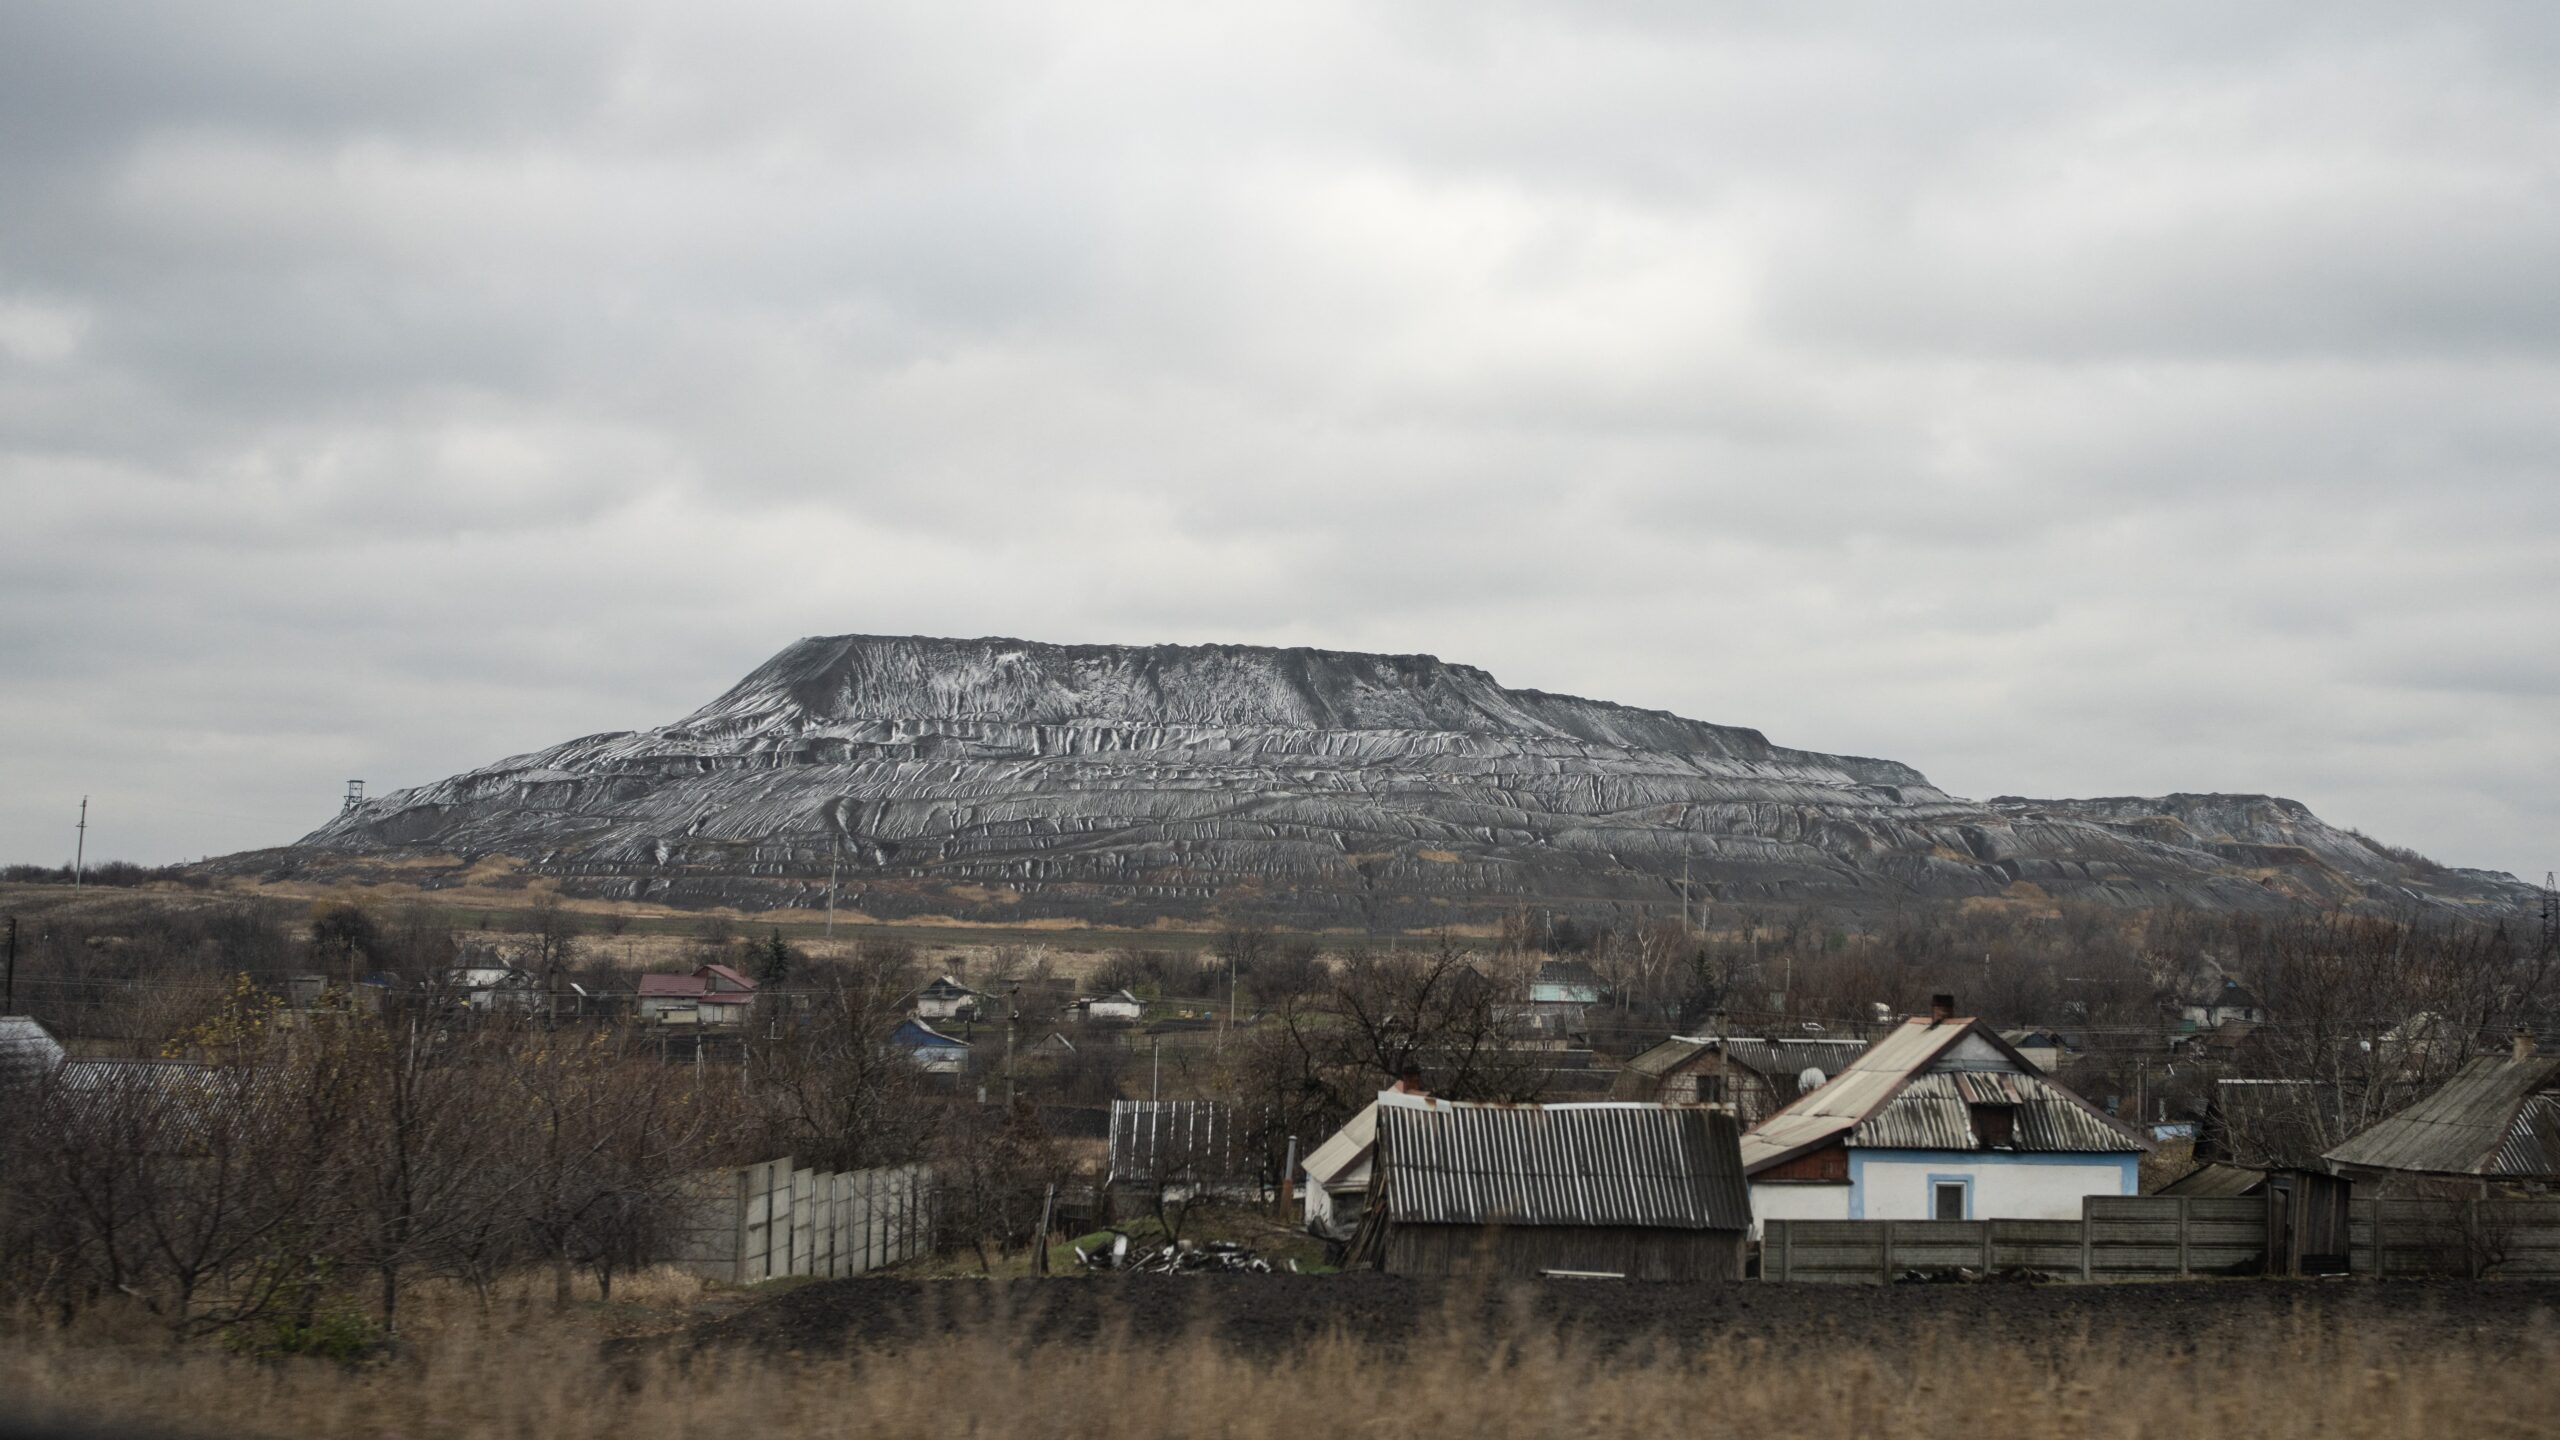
(1633, 1191)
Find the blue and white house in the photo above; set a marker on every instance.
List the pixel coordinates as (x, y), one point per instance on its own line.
(1942, 1119)
(938, 1053)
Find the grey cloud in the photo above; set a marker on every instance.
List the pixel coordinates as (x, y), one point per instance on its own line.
(2059, 402)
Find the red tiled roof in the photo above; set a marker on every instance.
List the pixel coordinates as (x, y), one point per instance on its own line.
(685, 985)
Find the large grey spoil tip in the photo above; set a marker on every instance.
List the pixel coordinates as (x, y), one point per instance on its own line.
(1004, 779)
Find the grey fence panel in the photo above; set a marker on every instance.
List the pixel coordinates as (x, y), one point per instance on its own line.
(2050, 1247)
(771, 1220)
(766, 1251)
(804, 1212)
(2417, 1237)
(2128, 1237)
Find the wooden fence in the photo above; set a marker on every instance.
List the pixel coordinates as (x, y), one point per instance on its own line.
(2168, 1237)
(767, 1221)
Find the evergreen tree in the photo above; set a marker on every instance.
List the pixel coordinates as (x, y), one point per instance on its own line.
(773, 963)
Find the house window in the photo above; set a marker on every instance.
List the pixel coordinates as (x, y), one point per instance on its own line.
(1946, 1200)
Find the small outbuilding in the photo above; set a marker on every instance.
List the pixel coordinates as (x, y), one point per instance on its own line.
(1337, 1176)
(1626, 1191)
(2495, 1123)
(2307, 1214)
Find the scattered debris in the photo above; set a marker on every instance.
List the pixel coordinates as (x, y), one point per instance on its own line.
(1180, 1258)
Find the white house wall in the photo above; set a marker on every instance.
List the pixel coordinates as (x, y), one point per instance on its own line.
(1797, 1200)
(1898, 1184)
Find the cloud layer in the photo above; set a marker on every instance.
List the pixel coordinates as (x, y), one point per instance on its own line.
(2062, 404)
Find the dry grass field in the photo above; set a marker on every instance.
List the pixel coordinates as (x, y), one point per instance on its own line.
(525, 1370)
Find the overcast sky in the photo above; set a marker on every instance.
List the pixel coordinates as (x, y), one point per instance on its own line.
(2065, 400)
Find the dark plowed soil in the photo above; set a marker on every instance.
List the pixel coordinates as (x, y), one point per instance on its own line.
(1275, 1312)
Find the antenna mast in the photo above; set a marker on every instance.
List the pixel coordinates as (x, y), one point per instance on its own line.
(2550, 912)
(80, 847)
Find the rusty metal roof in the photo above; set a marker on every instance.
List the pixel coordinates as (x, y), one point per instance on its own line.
(1676, 1167)
(2498, 1117)
(1890, 1097)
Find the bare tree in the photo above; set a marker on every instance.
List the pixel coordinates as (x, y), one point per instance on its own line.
(830, 1088)
(991, 1166)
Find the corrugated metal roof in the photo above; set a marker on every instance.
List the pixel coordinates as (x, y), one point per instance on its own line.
(1862, 1104)
(1777, 1059)
(1934, 1112)
(162, 1104)
(2497, 1118)
(1655, 1166)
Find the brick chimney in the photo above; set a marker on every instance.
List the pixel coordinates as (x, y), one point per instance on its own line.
(2521, 1042)
(1942, 1008)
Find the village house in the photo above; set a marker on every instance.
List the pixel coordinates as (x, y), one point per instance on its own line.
(713, 994)
(1755, 1077)
(2220, 1005)
(935, 1052)
(2495, 1124)
(1119, 1007)
(1939, 1120)
(493, 985)
(1561, 995)
(2041, 1046)
(1614, 1190)
(946, 999)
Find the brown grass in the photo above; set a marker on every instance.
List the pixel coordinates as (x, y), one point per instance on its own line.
(524, 1371)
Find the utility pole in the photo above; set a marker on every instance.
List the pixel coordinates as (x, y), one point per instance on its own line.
(1155, 1086)
(835, 853)
(80, 847)
(1229, 1022)
(9, 1004)
(1009, 993)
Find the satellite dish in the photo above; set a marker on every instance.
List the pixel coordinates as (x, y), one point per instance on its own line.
(1810, 1078)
